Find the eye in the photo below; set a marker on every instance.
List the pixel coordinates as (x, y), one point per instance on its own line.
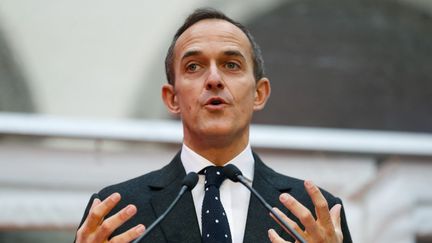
(232, 66)
(193, 67)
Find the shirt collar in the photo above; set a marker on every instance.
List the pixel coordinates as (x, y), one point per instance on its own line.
(193, 162)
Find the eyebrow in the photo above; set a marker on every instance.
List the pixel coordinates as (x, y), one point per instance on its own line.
(234, 53)
(191, 53)
(226, 53)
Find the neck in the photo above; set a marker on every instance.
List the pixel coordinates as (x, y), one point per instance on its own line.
(219, 151)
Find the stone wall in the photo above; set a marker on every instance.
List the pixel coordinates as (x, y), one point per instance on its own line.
(44, 186)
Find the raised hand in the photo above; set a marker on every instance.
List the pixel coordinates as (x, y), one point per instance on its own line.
(97, 229)
(326, 228)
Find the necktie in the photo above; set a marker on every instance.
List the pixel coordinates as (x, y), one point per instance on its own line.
(215, 227)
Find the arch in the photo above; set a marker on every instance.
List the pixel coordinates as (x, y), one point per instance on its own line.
(348, 64)
(15, 94)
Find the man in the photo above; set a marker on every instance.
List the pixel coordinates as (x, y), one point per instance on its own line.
(215, 83)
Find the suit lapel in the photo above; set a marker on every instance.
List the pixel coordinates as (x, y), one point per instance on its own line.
(268, 184)
(181, 224)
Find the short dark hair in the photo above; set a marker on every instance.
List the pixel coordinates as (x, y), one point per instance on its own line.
(208, 13)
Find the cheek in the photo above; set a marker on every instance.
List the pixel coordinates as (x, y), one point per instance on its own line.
(187, 105)
(188, 98)
(247, 102)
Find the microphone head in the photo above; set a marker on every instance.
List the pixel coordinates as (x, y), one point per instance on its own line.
(190, 180)
(232, 172)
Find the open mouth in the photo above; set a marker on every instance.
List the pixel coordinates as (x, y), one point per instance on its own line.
(215, 101)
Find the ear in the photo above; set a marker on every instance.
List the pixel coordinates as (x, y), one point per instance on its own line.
(262, 93)
(169, 97)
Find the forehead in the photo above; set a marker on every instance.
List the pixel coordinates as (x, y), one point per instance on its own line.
(212, 33)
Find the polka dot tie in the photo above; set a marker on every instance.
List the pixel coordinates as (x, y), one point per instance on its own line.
(215, 226)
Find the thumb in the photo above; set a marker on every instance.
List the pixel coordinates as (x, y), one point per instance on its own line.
(335, 216)
(274, 237)
(96, 202)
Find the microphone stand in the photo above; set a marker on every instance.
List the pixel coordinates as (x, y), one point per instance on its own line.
(294, 233)
(189, 183)
(234, 174)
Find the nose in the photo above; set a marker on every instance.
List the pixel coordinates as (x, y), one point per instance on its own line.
(214, 79)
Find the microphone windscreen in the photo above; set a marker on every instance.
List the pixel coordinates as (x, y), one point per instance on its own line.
(190, 180)
(232, 172)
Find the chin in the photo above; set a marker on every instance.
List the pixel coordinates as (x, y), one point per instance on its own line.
(220, 129)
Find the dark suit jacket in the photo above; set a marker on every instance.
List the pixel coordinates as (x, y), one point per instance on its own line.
(153, 192)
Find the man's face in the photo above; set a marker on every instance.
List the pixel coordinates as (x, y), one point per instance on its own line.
(215, 91)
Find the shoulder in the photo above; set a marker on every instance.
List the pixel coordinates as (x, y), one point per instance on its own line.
(294, 186)
(133, 191)
(137, 185)
(145, 184)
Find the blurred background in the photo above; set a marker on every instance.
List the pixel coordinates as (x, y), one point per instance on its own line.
(351, 105)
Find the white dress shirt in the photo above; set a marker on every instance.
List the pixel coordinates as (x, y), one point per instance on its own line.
(234, 196)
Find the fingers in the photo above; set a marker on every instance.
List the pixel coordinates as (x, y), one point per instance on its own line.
(302, 213)
(113, 222)
(129, 235)
(327, 225)
(324, 218)
(320, 203)
(98, 229)
(99, 210)
(96, 202)
(290, 222)
(335, 216)
(274, 237)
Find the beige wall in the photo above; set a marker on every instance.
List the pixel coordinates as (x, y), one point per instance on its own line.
(100, 58)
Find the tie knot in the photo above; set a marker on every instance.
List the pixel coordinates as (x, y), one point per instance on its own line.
(214, 176)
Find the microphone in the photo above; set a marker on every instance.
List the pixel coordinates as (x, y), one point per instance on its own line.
(189, 182)
(233, 173)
